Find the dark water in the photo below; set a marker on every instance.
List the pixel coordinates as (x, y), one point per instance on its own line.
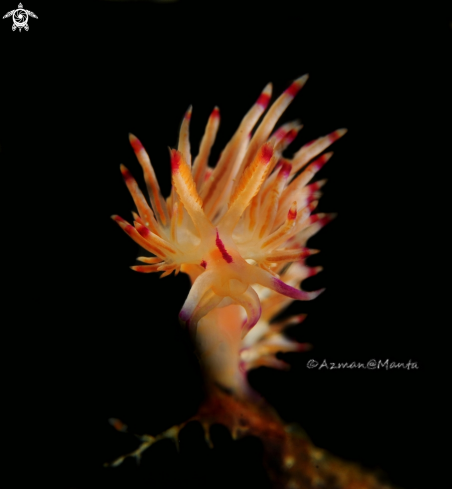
(85, 338)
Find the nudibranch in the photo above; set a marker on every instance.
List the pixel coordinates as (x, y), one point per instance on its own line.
(234, 229)
(239, 229)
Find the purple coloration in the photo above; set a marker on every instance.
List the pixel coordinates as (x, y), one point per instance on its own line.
(251, 320)
(184, 316)
(242, 367)
(222, 249)
(293, 293)
(254, 319)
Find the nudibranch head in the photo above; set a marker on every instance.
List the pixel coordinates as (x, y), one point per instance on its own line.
(234, 228)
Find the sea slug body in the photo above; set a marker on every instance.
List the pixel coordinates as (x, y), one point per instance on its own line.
(234, 228)
(240, 229)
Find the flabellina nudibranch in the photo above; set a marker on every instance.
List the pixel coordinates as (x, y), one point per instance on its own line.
(234, 229)
(240, 231)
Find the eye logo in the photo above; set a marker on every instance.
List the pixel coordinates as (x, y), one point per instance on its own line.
(20, 17)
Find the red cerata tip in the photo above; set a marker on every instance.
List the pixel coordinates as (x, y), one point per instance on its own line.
(285, 169)
(136, 144)
(312, 187)
(125, 173)
(266, 154)
(215, 113)
(335, 135)
(312, 206)
(279, 133)
(143, 230)
(292, 214)
(278, 165)
(327, 219)
(320, 162)
(175, 160)
(203, 264)
(293, 89)
(263, 100)
(290, 136)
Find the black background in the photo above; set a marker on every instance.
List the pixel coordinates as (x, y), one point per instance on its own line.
(85, 338)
